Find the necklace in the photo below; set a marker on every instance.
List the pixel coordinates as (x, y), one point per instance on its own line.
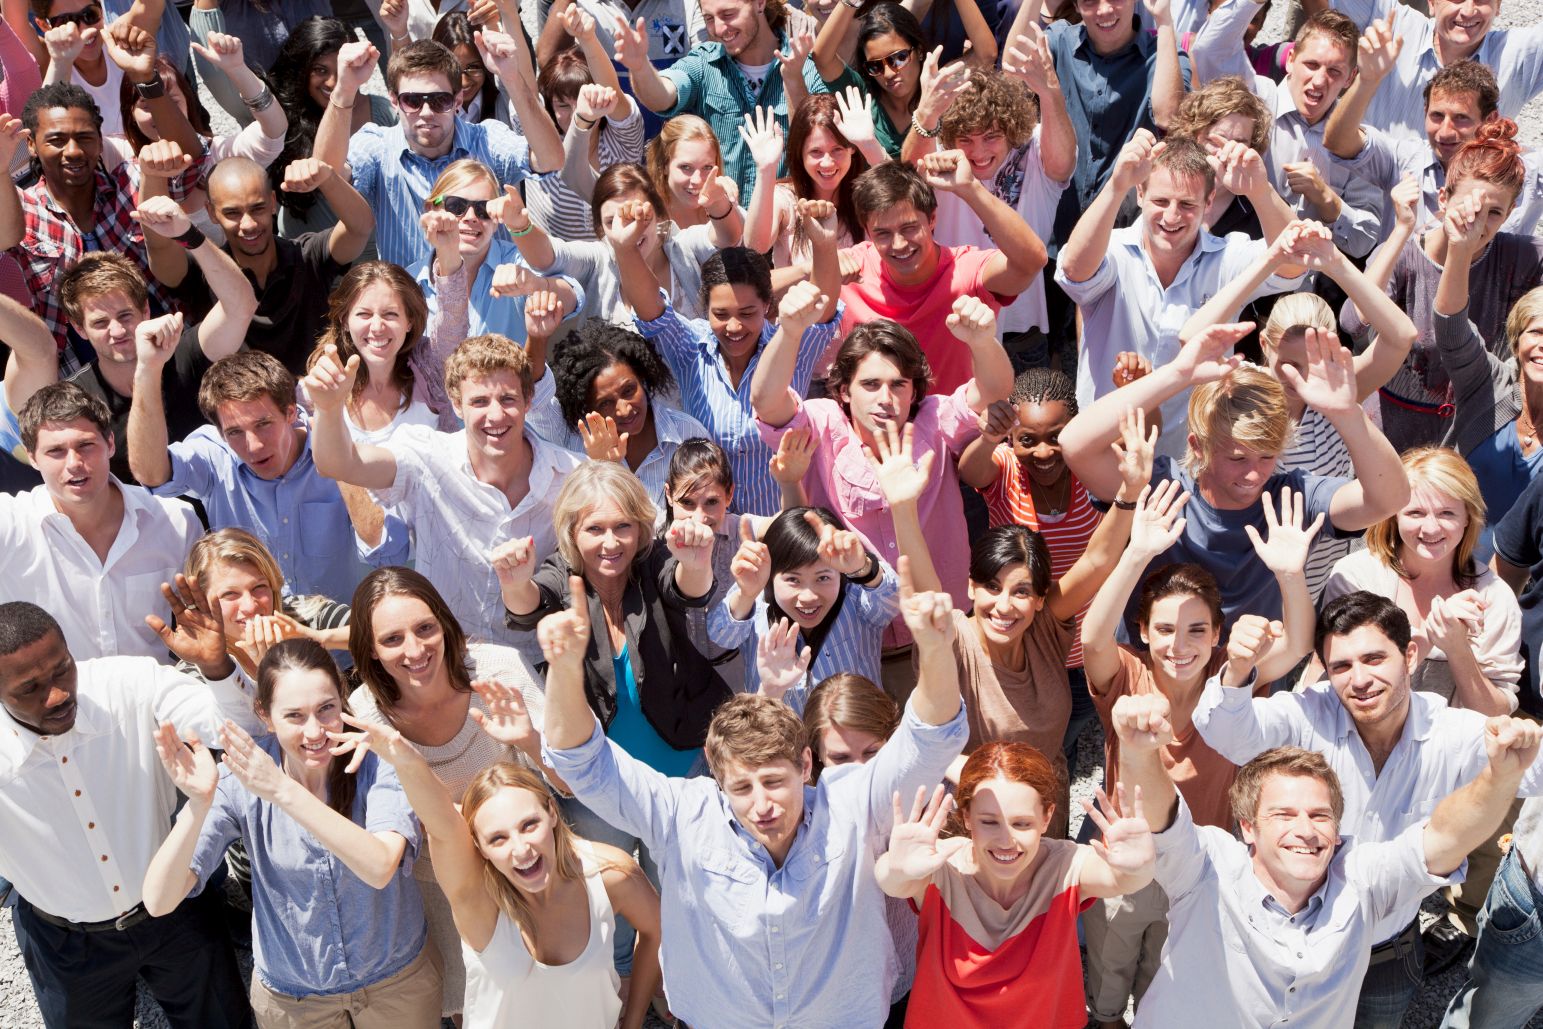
(1049, 506)
(1526, 430)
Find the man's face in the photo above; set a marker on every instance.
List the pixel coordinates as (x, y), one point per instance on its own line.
(1235, 475)
(428, 133)
(1463, 24)
(903, 237)
(768, 801)
(1108, 22)
(1451, 119)
(985, 151)
(68, 145)
(262, 436)
(73, 458)
(37, 686)
(107, 322)
(1317, 72)
(1293, 833)
(1370, 674)
(737, 24)
(1172, 207)
(243, 206)
(92, 51)
(493, 407)
(879, 394)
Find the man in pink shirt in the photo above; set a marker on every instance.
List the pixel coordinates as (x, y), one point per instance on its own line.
(907, 277)
(877, 384)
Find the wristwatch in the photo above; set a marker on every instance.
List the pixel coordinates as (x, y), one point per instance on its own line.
(152, 90)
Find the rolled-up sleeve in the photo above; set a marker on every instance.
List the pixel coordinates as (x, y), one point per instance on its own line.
(1239, 727)
(619, 788)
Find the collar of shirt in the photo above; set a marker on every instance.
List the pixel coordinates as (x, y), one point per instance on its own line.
(1085, 46)
(137, 505)
(754, 847)
(17, 742)
(544, 461)
(1131, 237)
(1418, 724)
(106, 189)
(1304, 918)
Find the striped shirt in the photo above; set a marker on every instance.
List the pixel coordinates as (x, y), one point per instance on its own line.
(689, 347)
(854, 642)
(1317, 449)
(593, 264)
(558, 208)
(1009, 502)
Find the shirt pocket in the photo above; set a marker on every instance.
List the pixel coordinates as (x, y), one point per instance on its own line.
(732, 892)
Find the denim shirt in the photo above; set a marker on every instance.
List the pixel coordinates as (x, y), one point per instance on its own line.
(318, 928)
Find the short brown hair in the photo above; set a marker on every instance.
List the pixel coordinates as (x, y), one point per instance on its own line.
(1247, 407)
(248, 375)
(850, 701)
(60, 402)
(883, 186)
(1250, 780)
(1467, 76)
(423, 57)
(753, 730)
(992, 100)
(1185, 158)
(895, 342)
(1337, 28)
(1217, 99)
(483, 355)
(98, 273)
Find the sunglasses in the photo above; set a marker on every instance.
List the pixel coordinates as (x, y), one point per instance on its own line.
(897, 60)
(460, 205)
(439, 102)
(85, 17)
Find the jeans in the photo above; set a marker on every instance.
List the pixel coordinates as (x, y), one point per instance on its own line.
(1083, 712)
(590, 826)
(1389, 986)
(1505, 974)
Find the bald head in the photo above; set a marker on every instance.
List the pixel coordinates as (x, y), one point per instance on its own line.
(241, 201)
(238, 173)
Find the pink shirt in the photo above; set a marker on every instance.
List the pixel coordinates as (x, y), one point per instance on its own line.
(841, 479)
(923, 309)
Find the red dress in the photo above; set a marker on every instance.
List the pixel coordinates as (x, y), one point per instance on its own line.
(978, 965)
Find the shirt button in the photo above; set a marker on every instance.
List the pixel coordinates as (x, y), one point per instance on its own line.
(778, 966)
(64, 760)
(104, 857)
(115, 889)
(77, 793)
(775, 929)
(91, 825)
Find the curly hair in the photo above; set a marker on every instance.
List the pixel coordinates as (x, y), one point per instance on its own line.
(590, 350)
(1216, 100)
(311, 40)
(992, 101)
(1044, 386)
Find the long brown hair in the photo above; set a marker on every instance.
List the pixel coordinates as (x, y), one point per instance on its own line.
(306, 655)
(487, 784)
(360, 278)
(396, 581)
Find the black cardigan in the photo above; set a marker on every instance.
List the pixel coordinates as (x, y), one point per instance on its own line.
(679, 688)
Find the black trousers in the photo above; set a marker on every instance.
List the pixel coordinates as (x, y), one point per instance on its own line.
(86, 980)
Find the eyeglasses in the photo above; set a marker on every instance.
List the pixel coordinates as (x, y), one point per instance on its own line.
(87, 16)
(897, 60)
(460, 205)
(439, 102)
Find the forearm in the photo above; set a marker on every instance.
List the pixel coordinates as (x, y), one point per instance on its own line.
(1342, 135)
(13, 224)
(1379, 270)
(58, 71)
(170, 878)
(727, 230)
(645, 982)
(1379, 474)
(1141, 769)
(521, 597)
(149, 459)
(983, 42)
(1089, 242)
(993, 374)
(1230, 298)
(977, 468)
(655, 91)
(567, 721)
(892, 882)
(936, 698)
(761, 213)
(1085, 440)
(366, 516)
(1024, 250)
(791, 495)
(1057, 136)
(1452, 289)
(639, 288)
(546, 146)
(223, 330)
(335, 128)
(771, 383)
(333, 448)
(365, 854)
(1394, 332)
(356, 220)
(694, 580)
(1101, 623)
(1167, 77)
(826, 54)
(429, 798)
(578, 172)
(1298, 616)
(912, 542)
(1471, 688)
(554, 38)
(1465, 819)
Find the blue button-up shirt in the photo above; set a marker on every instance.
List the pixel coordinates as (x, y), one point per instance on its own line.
(748, 944)
(396, 180)
(318, 928)
(299, 516)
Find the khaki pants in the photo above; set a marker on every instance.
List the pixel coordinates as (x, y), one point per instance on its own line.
(408, 1000)
(1125, 937)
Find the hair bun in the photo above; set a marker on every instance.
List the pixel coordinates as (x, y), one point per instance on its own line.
(1499, 132)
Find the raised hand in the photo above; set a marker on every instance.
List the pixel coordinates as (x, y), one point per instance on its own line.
(163, 159)
(250, 764)
(1128, 367)
(1142, 721)
(393, 15)
(795, 452)
(371, 737)
(972, 320)
(1124, 841)
(224, 51)
(818, 220)
(1329, 385)
(1208, 355)
(65, 42)
(842, 549)
(1134, 163)
(499, 51)
(514, 560)
(790, 62)
(131, 48)
(1454, 622)
(1157, 523)
(199, 637)
(578, 23)
(509, 210)
(631, 44)
(356, 63)
(601, 440)
(1406, 198)
(901, 479)
(763, 137)
(929, 615)
(258, 636)
(1462, 225)
(189, 764)
(1028, 59)
(564, 635)
(915, 850)
(691, 543)
(997, 421)
(940, 86)
(1136, 449)
(306, 175)
(800, 308)
(1511, 744)
(1160, 10)
(482, 13)
(330, 382)
(778, 661)
(1285, 550)
(443, 231)
(719, 194)
(504, 717)
(751, 565)
(156, 339)
(853, 119)
(948, 170)
(1240, 169)
(628, 223)
(543, 313)
(595, 101)
(515, 280)
(1378, 50)
(1250, 642)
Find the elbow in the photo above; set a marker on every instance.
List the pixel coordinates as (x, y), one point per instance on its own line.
(380, 878)
(157, 906)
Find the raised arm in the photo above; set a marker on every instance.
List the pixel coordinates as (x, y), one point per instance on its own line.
(1142, 723)
(223, 330)
(655, 91)
(356, 63)
(903, 480)
(930, 617)
(1284, 552)
(1167, 75)
(691, 544)
(191, 768)
(1377, 52)
(529, 238)
(1020, 254)
(329, 384)
(1084, 251)
(1028, 58)
(508, 57)
(34, 360)
(916, 847)
(564, 636)
(1243, 172)
(977, 463)
(974, 324)
(155, 342)
(762, 135)
(593, 103)
(771, 385)
(133, 49)
(940, 85)
(827, 43)
(356, 221)
(226, 53)
(1465, 819)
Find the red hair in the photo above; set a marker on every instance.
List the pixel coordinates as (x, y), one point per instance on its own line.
(1492, 156)
(1015, 762)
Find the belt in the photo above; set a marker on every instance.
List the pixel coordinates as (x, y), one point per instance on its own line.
(1399, 946)
(130, 918)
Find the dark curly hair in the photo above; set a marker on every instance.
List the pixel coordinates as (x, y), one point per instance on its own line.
(290, 81)
(590, 350)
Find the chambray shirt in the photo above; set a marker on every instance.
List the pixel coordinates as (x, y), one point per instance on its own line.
(689, 347)
(1278, 969)
(318, 928)
(747, 944)
(300, 516)
(396, 180)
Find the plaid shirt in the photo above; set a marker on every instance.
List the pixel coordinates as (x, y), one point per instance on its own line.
(53, 242)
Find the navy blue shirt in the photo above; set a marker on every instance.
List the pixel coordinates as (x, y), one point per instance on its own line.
(1519, 541)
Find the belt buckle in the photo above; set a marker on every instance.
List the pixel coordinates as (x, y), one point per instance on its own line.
(128, 918)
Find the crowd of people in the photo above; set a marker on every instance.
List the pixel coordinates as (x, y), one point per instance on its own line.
(629, 526)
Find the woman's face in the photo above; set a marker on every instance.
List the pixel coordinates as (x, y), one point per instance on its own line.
(618, 393)
(239, 592)
(516, 833)
(1529, 352)
(1430, 526)
(562, 112)
(845, 745)
(1230, 128)
(1005, 606)
(473, 74)
(900, 83)
(690, 165)
(1006, 820)
(736, 313)
(607, 539)
(476, 234)
(649, 242)
(409, 641)
(377, 324)
(305, 707)
(1181, 636)
(826, 160)
(323, 78)
(807, 594)
(1493, 203)
(146, 120)
(708, 504)
(1036, 440)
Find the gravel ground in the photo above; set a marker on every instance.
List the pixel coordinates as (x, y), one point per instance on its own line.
(18, 1011)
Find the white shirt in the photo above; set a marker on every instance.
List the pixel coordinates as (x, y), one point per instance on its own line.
(100, 605)
(456, 521)
(82, 813)
(1234, 957)
(1125, 307)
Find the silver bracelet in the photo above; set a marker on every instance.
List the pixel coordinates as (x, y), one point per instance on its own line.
(259, 103)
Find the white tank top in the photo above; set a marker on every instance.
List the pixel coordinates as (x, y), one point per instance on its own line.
(506, 987)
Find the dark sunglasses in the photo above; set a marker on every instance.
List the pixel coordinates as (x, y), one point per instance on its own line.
(460, 205)
(897, 60)
(439, 102)
(86, 16)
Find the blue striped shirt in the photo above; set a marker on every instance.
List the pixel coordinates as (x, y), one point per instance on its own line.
(853, 644)
(689, 347)
(396, 180)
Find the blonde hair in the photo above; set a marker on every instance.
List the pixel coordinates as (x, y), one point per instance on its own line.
(487, 784)
(1525, 311)
(661, 149)
(1443, 470)
(1294, 313)
(753, 730)
(1247, 407)
(484, 355)
(233, 547)
(587, 488)
(460, 173)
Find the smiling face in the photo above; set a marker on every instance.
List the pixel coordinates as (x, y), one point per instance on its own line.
(879, 394)
(108, 321)
(985, 151)
(736, 314)
(1370, 675)
(1451, 119)
(377, 325)
(428, 133)
(305, 707)
(900, 83)
(322, 79)
(1317, 72)
(806, 594)
(707, 503)
(1109, 23)
(843, 745)
(516, 833)
(476, 234)
(1494, 205)
(1036, 440)
(689, 166)
(903, 237)
(474, 73)
(409, 641)
(92, 51)
(239, 592)
(1463, 25)
(68, 146)
(1431, 525)
(493, 406)
(618, 393)
(37, 685)
(243, 206)
(73, 458)
(1180, 635)
(1529, 352)
(607, 540)
(1006, 821)
(768, 800)
(1231, 128)
(261, 436)
(1005, 606)
(826, 160)
(1293, 834)
(1171, 210)
(737, 24)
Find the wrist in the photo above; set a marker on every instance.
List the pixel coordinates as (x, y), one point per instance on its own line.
(725, 214)
(922, 128)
